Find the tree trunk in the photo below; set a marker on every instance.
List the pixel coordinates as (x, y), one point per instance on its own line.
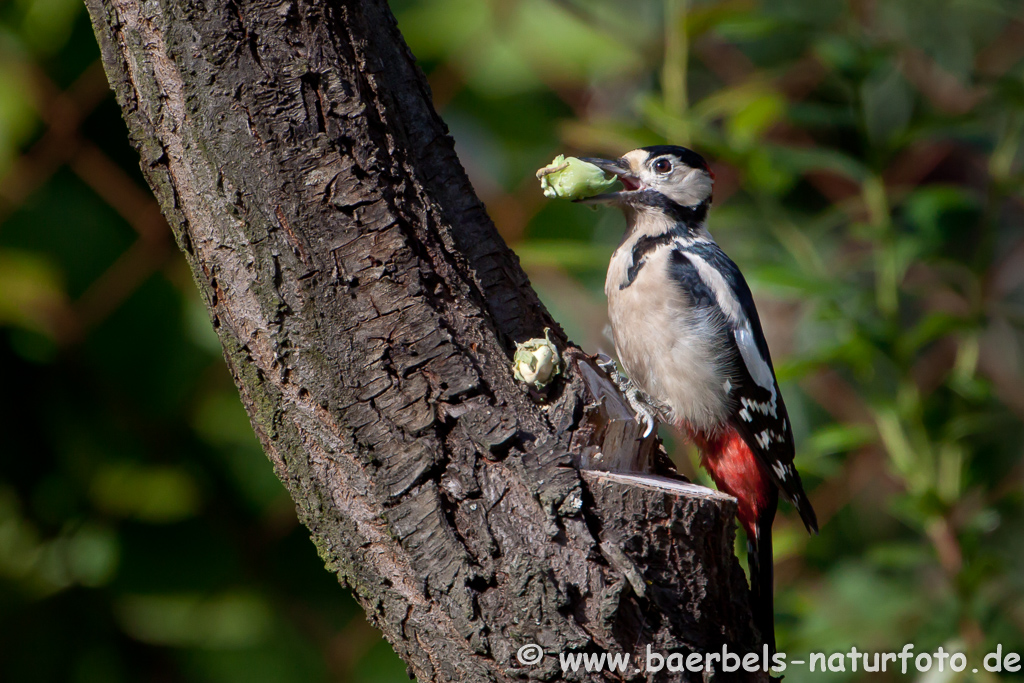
(368, 311)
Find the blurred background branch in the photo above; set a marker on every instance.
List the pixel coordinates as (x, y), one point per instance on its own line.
(869, 183)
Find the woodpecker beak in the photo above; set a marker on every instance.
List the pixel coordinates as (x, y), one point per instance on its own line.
(620, 169)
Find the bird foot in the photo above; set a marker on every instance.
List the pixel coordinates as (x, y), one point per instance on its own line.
(647, 410)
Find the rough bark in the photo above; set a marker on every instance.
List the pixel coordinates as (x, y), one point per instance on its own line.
(368, 312)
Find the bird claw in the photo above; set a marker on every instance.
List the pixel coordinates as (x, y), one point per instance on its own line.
(607, 363)
(646, 419)
(646, 411)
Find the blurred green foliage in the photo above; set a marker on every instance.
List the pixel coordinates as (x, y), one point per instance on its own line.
(869, 185)
(143, 535)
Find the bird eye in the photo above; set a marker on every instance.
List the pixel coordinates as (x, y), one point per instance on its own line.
(662, 165)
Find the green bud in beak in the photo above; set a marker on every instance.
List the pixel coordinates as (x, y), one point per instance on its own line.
(572, 178)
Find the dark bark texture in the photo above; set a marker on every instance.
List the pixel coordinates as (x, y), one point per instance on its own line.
(368, 311)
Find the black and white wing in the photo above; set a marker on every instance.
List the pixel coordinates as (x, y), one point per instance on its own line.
(758, 411)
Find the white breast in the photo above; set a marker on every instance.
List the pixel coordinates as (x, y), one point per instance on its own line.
(674, 352)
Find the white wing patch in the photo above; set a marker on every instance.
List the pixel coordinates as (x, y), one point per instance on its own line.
(757, 366)
(727, 301)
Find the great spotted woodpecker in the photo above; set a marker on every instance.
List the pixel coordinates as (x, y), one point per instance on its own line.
(688, 336)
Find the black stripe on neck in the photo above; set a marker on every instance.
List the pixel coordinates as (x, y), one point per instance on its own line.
(688, 221)
(648, 243)
(690, 216)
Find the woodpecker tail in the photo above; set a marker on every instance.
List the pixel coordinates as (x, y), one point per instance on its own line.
(762, 584)
(737, 471)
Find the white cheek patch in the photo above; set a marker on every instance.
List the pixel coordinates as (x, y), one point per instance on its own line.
(692, 189)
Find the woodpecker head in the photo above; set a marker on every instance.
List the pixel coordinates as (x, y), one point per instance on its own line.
(663, 177)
